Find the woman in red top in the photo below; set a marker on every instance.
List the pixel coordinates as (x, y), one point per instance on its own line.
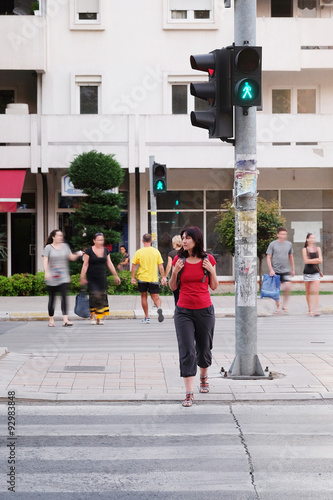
(194, 314)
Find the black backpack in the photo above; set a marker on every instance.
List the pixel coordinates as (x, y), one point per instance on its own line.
(206, 273)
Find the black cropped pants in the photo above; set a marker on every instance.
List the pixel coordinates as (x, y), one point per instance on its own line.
(195, 331)
(62, 289)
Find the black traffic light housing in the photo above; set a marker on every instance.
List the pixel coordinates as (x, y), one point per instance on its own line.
(159, 178)
(218, 120)
(246, 75)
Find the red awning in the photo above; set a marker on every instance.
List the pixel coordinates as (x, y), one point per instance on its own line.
(8, 206)
(11, 185)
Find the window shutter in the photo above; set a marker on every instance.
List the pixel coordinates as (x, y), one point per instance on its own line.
(191, 4)
(84, 6)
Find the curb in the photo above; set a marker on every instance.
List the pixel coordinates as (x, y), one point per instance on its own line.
(126, 314)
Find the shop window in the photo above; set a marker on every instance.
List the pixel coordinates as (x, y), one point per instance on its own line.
(268, 195)
(179, 200)
(309, 199)
(282, 8)
(214, 199)
(306, 100)
(28, 202)
(3, 244)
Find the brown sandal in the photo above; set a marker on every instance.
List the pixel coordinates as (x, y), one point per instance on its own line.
(204, 385)
(188, 401)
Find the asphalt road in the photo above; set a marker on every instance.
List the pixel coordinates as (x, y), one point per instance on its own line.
(163, 451)
(275, 334)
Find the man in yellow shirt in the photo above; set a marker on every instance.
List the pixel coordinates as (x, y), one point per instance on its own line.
(148, 259)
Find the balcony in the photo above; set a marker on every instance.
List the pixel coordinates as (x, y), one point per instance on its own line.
(304, 45)
(52, 141)
(23, 42)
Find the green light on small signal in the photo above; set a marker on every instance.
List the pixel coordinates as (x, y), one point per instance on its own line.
(160, 186)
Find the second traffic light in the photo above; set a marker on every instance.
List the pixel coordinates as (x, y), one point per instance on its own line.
(159, 178)
(218, 119)
(246, 76)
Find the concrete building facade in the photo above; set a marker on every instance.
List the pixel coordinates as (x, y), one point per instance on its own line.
(114, 76)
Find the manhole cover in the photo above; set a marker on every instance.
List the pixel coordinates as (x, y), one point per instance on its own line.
(82, 368)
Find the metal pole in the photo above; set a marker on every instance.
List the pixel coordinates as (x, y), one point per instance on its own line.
(153, 214)
(246, 363)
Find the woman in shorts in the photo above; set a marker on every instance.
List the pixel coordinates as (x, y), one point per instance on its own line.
(312, 257)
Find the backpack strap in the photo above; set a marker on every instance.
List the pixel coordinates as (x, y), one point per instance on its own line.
(206, 273)
(183, 259)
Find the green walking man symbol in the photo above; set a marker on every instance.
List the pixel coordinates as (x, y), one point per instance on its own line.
(247, 89)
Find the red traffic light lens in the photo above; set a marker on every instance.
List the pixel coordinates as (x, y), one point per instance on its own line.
(247, 60)
(159, 170)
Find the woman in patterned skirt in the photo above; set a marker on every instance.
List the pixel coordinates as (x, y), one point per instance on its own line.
(95, 260)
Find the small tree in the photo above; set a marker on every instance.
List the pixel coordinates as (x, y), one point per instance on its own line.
(96, 174)
(269, 220)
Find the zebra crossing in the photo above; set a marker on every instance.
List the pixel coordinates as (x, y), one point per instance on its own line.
(164, 451)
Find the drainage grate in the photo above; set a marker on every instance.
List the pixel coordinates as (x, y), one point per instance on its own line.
(83, 368)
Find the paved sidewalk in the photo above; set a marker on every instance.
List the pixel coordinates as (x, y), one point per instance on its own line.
(136, 376)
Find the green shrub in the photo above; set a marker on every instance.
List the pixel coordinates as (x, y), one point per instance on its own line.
(39, 285)
(75, 286)
(22, 284)
(6, 289)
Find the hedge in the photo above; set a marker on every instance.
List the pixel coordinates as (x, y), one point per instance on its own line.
(29, 285)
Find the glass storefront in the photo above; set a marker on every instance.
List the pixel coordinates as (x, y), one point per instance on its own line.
(3, 244)
(179, 209)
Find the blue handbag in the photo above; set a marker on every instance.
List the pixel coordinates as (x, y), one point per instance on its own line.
(270, 287)
(81, 307)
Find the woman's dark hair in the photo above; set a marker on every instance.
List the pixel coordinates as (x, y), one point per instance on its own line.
(51, 236)
(123, 246)
(196, 235)
(306, 241)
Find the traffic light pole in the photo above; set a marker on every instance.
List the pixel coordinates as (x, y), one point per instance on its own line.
(246, 363)
(153, 213)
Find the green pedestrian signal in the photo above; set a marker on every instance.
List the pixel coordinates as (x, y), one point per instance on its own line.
(246, 76)
(159, 178)
(160, 186)
(247, 91)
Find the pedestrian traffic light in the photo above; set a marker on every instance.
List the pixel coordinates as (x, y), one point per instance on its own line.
(218, 120)
(246, 76)
(159, 178)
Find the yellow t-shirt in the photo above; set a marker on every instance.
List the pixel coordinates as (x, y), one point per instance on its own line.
(148, 259)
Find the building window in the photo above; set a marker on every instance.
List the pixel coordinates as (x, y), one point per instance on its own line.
(88, 100)
(183, 102)
(190, 10)
(294, 100)
(281, 101)
(87, 10)
(282, 8)
(307, 8)
(88, 94)
(7, 96)
(306, 100)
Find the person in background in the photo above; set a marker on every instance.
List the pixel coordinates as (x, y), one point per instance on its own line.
(177, 245)
(148, 259)
(280, 261)
(95, 261)
(312, 257)
(124, 264)
(194, 314)
(56, 255)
